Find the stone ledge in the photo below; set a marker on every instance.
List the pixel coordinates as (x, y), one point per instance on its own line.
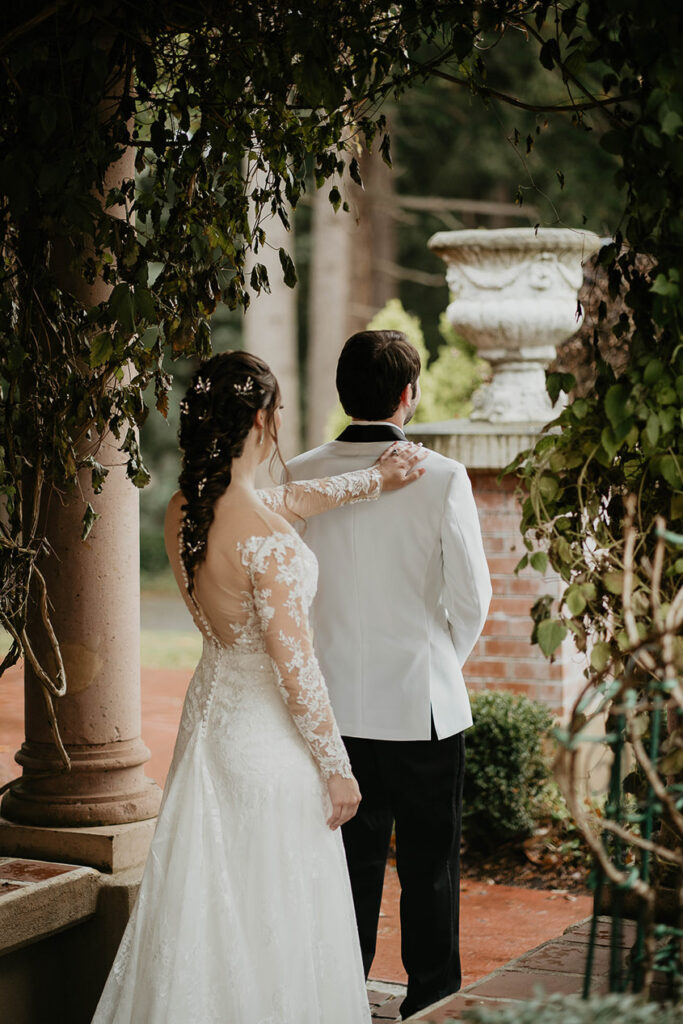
(109, 848)
(477, 444)
(34, 910)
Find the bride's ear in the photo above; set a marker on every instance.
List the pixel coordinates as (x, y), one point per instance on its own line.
(260, 419)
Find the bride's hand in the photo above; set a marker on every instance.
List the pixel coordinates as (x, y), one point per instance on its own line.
(399, 465)
(345, 797)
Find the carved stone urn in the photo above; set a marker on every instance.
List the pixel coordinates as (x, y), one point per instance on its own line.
(514, 296)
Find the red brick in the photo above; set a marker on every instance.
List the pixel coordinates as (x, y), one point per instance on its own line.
(505, 606)
(494, 545)
(502, 564)
(533, 586)
(508, 648)
(497, 522)
(487, 667)
(507, 627)
(483, 481)
(541, 669)
(490, 499)
(511, 984)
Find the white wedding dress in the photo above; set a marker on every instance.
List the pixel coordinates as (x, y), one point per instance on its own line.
(244, 914)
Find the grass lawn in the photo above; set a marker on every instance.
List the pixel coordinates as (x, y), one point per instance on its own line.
(158, 648)
(165, 649)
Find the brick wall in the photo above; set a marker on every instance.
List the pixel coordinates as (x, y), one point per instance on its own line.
(504, 658)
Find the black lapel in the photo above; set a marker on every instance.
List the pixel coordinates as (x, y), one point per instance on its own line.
(372, 432)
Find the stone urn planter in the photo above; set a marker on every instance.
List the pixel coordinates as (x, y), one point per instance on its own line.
(514, 296)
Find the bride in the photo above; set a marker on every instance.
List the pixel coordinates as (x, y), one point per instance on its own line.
(244, 914)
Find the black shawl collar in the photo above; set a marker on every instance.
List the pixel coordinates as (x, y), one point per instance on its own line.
(363, 432)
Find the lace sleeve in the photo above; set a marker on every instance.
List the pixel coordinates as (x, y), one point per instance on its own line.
(307, 498)
(275, 568)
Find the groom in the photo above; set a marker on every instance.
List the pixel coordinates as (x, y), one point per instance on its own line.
(403, 594)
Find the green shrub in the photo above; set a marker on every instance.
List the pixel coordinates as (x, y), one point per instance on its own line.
(614, 1008)
(507, 768)
(153, 558)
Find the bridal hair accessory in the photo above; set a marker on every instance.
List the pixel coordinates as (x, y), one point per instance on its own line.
(244, 389)
(202, 386)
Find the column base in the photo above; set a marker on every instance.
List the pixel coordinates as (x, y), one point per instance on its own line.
(105, 786)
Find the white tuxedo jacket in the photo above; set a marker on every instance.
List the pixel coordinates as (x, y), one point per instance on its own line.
(403, 594)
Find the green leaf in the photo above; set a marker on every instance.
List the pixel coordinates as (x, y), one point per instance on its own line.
(669, 469)
(575, 600)
(122, 308)
(671, 123)
(609, 442)
(562, 550)
(665, 286)
(548, 487)
(144, 304)
(288, 268)
(600, 655)
(653, 371)
(615, 404)
(101, 349)
(614, 581)
(90, 516)
(550, 633)
(539, 561)
(651, 430)
(557, 382)
(335, 198)
(549, 53)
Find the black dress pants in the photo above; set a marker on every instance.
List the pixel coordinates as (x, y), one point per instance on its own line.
(418, 785)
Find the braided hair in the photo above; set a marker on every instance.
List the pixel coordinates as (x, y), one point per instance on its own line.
(216, 415)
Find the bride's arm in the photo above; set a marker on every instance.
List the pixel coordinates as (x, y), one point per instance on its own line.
(277, 577)
(395, 468)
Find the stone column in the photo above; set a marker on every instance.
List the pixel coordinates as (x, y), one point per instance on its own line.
(514, 296)
(94, 591)
(270, 331)
(328, 309)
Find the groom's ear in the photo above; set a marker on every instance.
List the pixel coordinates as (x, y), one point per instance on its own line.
(407, 394)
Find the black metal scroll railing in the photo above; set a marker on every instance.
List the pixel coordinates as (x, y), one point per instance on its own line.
(638, 851)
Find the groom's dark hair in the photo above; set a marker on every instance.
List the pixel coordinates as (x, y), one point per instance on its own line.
(373, 369)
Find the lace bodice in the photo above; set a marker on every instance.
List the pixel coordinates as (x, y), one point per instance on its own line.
(258, 581)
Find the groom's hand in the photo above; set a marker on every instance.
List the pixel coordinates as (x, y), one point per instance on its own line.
(345, 797)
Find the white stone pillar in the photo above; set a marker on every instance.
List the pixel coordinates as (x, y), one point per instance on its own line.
(271, 327)
(328, 309)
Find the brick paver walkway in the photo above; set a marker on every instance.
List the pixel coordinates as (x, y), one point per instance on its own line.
(554, 966)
